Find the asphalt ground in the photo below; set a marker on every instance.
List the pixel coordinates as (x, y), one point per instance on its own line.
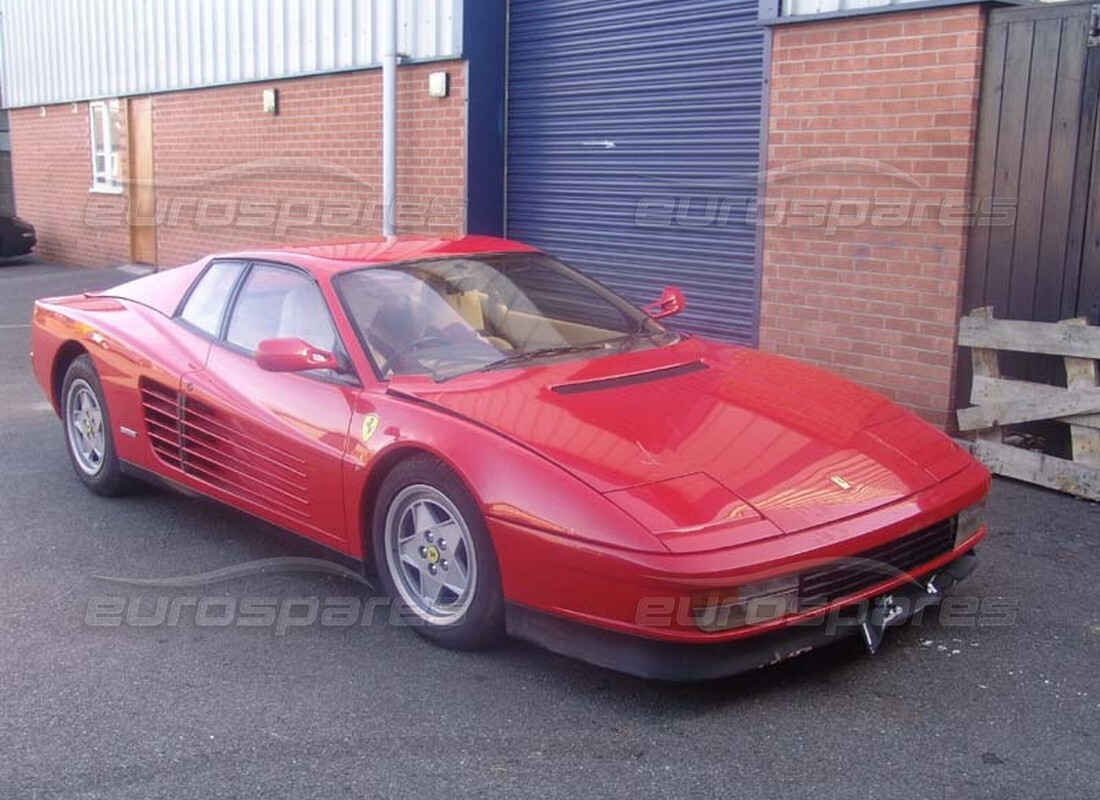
(969, 707)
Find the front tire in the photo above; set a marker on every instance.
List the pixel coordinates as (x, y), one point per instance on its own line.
(434, 555)
(88, 431)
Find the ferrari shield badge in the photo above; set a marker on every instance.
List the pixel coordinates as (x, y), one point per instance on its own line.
(370, 425)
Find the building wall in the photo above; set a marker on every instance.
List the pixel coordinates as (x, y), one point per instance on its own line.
(313, 171)
(59, 51)
(7, 193)
(230, 176)
(872, 135)
(52, 172)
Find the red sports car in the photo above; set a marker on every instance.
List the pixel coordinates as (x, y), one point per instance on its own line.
(514, 448)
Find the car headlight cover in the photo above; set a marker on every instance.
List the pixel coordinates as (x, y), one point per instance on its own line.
(750, 604)
(970, 522)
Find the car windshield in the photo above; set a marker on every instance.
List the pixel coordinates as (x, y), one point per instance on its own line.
(451, 317)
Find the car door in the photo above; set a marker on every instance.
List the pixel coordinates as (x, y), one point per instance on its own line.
(272, 443)
(175, 348)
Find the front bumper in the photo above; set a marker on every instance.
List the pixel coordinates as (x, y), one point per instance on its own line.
(679, 661)
(634, 592)
(18, 242)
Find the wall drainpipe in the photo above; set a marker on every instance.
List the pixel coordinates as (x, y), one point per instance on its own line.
(389, 119)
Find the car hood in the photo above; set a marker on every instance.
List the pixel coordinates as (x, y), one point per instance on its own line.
(688, 436)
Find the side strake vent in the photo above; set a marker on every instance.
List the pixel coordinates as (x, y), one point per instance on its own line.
(629, 380)
(162, 422)
(193, 437)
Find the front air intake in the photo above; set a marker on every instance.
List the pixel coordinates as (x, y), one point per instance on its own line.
(831, 582)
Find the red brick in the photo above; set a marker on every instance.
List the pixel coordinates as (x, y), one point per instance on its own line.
(216, 146)
(878, 302)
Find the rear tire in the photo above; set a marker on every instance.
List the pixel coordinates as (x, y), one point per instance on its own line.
(435, 558)
(88, 431)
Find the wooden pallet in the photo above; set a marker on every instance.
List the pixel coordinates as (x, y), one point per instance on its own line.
(1000, 401)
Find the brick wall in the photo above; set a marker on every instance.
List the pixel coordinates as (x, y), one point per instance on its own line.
(872, 135)
(316, 167)
(230, 176)
(51, 173)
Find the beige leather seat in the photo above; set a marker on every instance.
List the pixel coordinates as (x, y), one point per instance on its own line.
(470, 306)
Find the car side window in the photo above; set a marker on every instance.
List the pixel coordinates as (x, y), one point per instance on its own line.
(278, 303)
(206, 303)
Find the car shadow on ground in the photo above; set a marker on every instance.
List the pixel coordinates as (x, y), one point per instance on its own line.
(815, 667)
(258, 541)
(26, 260)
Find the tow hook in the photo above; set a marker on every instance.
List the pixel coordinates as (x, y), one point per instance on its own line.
(931, 586)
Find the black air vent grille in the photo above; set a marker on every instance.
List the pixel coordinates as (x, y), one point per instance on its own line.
(629, 380)
(162, 422)
(194, 438)
(834, 581)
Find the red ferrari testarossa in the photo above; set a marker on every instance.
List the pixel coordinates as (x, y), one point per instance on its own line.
(514, 448)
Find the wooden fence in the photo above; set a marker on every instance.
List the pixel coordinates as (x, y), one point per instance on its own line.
(1001, 401)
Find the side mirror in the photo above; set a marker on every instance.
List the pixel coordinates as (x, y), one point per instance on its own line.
(293, 355)
(671, 302)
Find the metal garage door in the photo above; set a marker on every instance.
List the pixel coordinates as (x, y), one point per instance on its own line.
(633, 146)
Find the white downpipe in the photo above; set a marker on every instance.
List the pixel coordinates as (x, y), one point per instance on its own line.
(389, 119)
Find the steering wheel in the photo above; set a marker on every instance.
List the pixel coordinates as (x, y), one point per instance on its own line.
(436, 338)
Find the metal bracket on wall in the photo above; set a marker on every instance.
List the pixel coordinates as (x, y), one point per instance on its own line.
(1094, 26)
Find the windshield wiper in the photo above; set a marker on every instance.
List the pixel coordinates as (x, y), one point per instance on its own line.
(545, 352)
(521, 358)
(641, 332)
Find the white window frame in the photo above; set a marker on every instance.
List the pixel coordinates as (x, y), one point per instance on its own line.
(104, 138)
(801, 8)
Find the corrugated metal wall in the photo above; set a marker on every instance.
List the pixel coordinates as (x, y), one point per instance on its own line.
(55, 51)
(633, 147)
